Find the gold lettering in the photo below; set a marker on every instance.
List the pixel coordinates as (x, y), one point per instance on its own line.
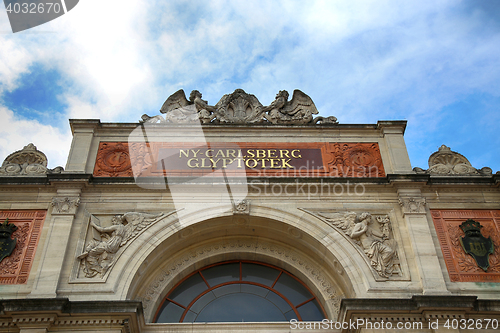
(195, 152)
(284, 152)
(284, 164)
(273, 164)
(182, 152)
(296, 150)
(224, 162)
(193, 166)
(264, 162)
(261, 153)
(207, 154)
(203, 163)
(231, 153)
(214, 163)
(220, 152)
(250, 153)
(271, 153)
(248, 161)
(239, 163)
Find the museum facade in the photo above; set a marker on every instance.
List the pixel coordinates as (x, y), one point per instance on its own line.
(240, 217)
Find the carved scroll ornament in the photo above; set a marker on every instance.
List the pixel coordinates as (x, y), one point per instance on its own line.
(28, 161)
(446, 162)
(239, 108)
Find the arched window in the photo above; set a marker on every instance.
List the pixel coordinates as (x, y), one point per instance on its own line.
(239, 291)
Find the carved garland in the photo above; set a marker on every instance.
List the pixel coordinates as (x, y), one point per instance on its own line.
(155, 288)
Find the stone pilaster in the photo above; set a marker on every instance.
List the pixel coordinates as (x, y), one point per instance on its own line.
(64, 207)
(392, 132)
(81, 144)
(429, 269)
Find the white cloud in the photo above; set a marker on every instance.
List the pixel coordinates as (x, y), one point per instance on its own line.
(359, 60)
(16, 133)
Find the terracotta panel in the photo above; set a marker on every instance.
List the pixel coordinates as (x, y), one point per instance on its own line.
(15, 268)
(317, 159)
(461, 266)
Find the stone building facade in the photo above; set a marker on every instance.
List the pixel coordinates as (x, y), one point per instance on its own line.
(241, 217)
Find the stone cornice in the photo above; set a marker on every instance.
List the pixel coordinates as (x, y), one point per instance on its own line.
(44, 313)
(393, 179)
(422, 306)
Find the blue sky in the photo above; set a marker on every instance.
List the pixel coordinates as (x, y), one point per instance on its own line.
(433, 63)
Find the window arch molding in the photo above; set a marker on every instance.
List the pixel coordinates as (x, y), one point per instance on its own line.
(239, 290)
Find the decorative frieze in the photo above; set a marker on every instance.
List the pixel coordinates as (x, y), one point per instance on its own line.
(15, 268)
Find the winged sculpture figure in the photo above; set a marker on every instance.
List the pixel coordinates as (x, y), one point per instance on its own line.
(178, 109)
(99, 254)
(299, 110)
(373, 238)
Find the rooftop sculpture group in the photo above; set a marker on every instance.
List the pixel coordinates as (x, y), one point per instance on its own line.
(239, 108)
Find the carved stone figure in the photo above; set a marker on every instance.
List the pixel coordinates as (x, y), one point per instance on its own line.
(179, 110)
(299, 110)
(100, 251)
(28, 161)
(331, 120)
(152, 120)
(239, 108)
(373, 238)
(446, 162)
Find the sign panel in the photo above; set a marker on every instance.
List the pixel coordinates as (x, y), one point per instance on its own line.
(281, 159)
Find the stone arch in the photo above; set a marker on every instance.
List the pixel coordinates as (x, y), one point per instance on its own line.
(296, 242)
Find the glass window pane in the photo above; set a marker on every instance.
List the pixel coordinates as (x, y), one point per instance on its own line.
(291, 315)
(292, 289)
(222, 273)
(228, 289)
(170, 313)
(190, 317)
(258, 273)
(252, 289)
(240, 307)
(278, 301)
(188, 290)
(202, 301)
(311, 311)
